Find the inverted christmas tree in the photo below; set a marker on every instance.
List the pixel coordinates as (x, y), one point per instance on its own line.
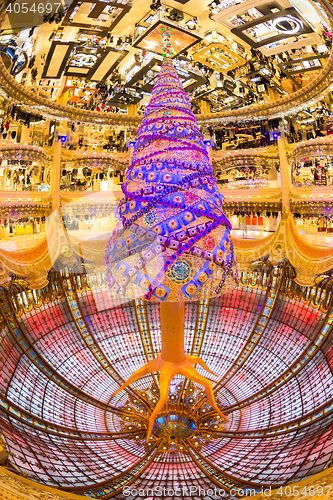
(172, 243)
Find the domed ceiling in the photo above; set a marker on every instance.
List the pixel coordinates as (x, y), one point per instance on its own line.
(66, 348)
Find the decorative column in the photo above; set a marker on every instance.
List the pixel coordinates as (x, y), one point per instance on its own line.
(132, 109)
(273, 94)
(55, 175)
(172, 331)
(24, 134)
(285, 171)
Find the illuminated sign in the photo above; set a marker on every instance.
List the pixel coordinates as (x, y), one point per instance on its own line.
(287, 24)
(268, 24)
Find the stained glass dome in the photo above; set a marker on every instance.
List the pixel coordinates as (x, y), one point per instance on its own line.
(66, 348)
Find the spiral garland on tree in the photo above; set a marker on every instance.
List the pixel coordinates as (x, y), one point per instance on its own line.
(173, 241)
